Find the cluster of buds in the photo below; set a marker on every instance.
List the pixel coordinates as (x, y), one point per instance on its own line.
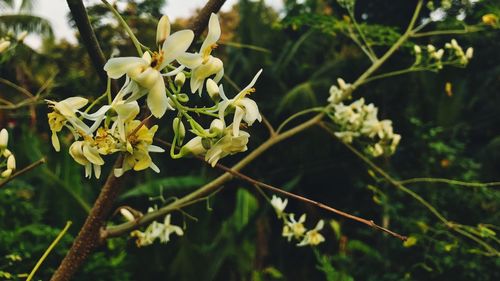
(359, 121)
(154, 231)
(434, 58)
(160, 76)
(444, 5)
(295, 229)
(339, 93)
(6, 42)
(7, 159)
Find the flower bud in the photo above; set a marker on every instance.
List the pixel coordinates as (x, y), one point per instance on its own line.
(431, 48)
(217, 126)
(163, 30)
(4, 138)
(454, 44)
(193, 147)
(417, 49)
(179, 129)
(213, 89)
(6, 173)
(11, 162)
(180, 78)
(341, 83)
(4, 45)
(490, 19)
(469, 53)
(22, 35)
(127, 214)
(7, 153)
(439, 54)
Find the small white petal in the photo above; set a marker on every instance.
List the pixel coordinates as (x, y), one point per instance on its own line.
(175, 45)
(213, 33)
(117, 67)
(157, 99)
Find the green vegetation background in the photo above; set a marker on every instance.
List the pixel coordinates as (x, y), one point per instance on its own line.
(236, 235)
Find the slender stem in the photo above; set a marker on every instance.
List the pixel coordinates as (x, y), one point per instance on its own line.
(117, 230)
(466, 30)
(406, 190)
(312, 202)
(49, 249)
(393, 73)
(124, 24)
(22, 171)
(393, 48)
(450, 182)
(16, 87)
(369, 49)
(298, 114)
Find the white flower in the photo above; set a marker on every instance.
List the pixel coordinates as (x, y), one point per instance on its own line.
(66, 111)
(4, 139)
(169, 229)
(203, 64)
(340, 93)
(279, 205)
(86, 153)
(146, 71)
(228, 144)
(293, 228)
(245, 108)
(313, 237)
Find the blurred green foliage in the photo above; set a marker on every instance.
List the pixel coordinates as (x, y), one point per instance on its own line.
(235, 235)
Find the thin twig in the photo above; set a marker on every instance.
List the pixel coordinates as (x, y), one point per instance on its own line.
(450, 182)
(370, 223)
(451, 225)
(16, 87)
(22, 171)
(49, 249)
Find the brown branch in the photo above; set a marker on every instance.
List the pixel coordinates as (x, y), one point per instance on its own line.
(370, 223)
(89, 39)
(201, 21)
(22, 171)
(88, 238)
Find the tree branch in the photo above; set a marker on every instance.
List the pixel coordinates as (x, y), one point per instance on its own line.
(22, 171)
(89, 39)
(370, 223)
(88, 237)
(201, 21)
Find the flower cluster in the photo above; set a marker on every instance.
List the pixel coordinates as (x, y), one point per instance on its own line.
(7, 159)
(156, 230)
(435, 59)
(159, 76)
(295, 229)
(359, 120)
(341, 92)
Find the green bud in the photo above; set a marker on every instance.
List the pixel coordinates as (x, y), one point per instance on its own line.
(180, 78)
(179, 129)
